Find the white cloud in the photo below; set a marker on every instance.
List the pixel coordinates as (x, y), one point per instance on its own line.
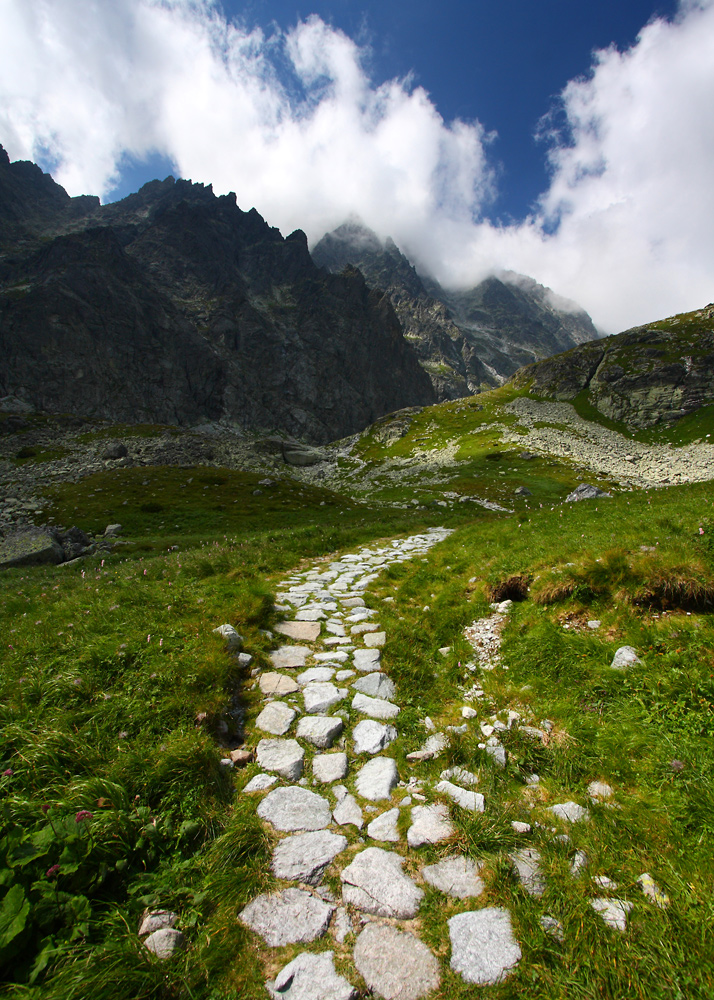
(294, 125)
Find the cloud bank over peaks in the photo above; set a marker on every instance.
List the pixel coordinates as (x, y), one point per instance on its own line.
(293, 123)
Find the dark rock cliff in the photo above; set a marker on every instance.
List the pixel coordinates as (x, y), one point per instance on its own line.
(468, 339)
(174, 305)
(645, 376)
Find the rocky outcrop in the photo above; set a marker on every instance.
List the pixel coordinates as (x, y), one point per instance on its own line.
(465, 340)
(645, 376)
(174, 306)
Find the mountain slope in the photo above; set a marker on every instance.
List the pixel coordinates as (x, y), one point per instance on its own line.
(175, 306)
(650, 375)
(465, 340)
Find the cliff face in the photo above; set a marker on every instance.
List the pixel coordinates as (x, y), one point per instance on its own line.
(467, 339)
(174, 305)
(645, 376)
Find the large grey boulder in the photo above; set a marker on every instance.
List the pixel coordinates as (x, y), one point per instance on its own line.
(377, 779)
(375, 883)
(284, 757)
(294, 808)
(310, 977)
(395, 965)
(585, 492)
(483, 947)
(305, 856)
(30, 546)
(288, 917)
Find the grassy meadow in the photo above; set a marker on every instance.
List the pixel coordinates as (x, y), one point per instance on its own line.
(116, 698)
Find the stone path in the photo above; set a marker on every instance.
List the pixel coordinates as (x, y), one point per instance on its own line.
(330, 716)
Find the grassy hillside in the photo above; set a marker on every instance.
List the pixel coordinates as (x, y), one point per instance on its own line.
(116, 697)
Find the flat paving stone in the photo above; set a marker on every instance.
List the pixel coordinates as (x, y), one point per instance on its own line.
(276, 718)
(320, 696)
(320, 730)
(376, 708)
(305, 856)
(260, 783)
(352, 602)
(457, 876)
(430, 825)
(394, 964)
(377, 779)
(311, 977)
(284, 757)
(483, 947)
(375, 639)
(526, 864)
(315, 675)
(289, 657)
(384, 827)
(473, 801)
(375, 883)
(306, 631)
(347, 812)
(376, 685)
(273, 683)
(288, 917)
(310, 615)
(329, 767)
(334, 656)
(366, 660)
(372, 737)
(294, 809)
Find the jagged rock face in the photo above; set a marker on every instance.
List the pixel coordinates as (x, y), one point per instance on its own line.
(642, 377)
(466, 339)
(175, 306)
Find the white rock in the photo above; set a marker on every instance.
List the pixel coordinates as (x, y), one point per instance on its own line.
(579, 863)
(459, 774)
(294, 809)
(472, 801)
(395, 965)
(377, 779)
(165, 942)
(600, 790)
(527, 866)
(375, 639)
(305, 856)
(284, 757)
(457, 876)
(305, 631)
(287, 917)
(613, 911)
(155, 920)
(430, 824)
(272, 683)
(320, 730)
(384, 827)
(372, 737)
(287, 657)
(519, 827)
(376, 685)
(334, 656)
(315, 674)
(375, 883)
(232, 639)
(483, 947)
(468, 713)
(260, 783)
(276, 718)
(319, 697)
(570, 812)
(376, 708)
(653, 891)
(624, 657)
(311, 977)
(366, 660)
(328, 767)
(347, 812)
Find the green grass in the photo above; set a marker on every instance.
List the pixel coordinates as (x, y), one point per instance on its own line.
(115, 697)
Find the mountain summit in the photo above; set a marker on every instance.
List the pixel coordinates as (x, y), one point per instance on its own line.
(174, 306)
(469, 339)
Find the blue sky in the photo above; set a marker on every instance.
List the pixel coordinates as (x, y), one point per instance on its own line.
(419, 118)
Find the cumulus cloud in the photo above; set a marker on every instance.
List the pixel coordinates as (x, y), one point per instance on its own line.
(292, 122)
